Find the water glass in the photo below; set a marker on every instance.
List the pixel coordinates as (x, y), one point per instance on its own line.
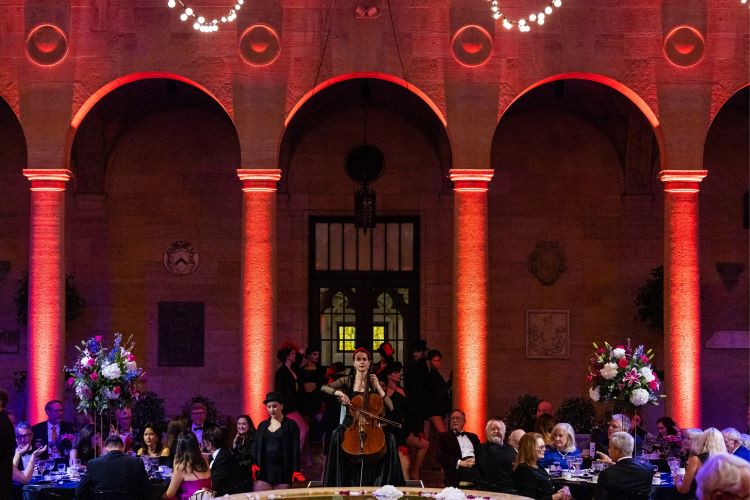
(674, 465)
(61, 469)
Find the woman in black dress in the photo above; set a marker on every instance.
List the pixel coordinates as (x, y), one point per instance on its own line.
(243, 444)
(341, 470)
(531, 480)
(276, 448)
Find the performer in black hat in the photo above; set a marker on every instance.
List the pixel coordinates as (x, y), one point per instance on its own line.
(276, 449)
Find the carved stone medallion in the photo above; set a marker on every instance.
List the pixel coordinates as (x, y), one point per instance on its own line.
(181, 258)
(547, 262)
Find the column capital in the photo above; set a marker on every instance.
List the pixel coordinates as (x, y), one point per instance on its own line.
(682, 181)
(261, 180)
(47, 179)
(471, 179)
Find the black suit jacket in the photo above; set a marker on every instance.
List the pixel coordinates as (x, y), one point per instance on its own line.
(40, 432)
(495, 467)
(625, 480)
(533, 482)
(7, 449)
(120, 476)
(449, 453)
(290, 439)
(226, 475)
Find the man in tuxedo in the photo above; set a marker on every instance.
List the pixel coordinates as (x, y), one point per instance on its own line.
(198, 417)
(116, 475)
(226, 475)
(495, 459)
(51, 430)
(7, 448)
(456, 452)
(733, 440)
(626, 479)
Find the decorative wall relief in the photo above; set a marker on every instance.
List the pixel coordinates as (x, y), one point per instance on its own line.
(547, 262)
(181, 258)
(547, 334)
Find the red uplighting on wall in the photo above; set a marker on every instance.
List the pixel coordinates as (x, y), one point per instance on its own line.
(46, 320)
(258, 286)
(682, 336)
(470, 256)
(365, 74)
(684, 46)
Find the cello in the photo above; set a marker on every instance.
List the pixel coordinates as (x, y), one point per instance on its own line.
(364, 439)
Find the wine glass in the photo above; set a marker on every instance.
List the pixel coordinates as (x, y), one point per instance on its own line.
(575, 465)
(674, 465)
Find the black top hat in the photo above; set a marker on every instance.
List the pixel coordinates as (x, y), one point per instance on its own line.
(396, 366)
(420, 345)
(434, 353)
(272, 396)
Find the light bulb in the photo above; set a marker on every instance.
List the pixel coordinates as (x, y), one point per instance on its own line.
(548, 10)
(183, 17)
(201, 19)
(541, 15)
(196, 26)
(540, 21)
(558, 3)
(507, 24)
(494, 8)
(532, 17)
(171, 4)
(189, 11)
(522, 22)
(237, 7)
(223, 19)
(496, 15)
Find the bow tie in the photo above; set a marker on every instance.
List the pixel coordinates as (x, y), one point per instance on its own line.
(459, 433)
(197, 427)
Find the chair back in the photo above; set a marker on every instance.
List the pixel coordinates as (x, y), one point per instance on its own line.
(202, 494)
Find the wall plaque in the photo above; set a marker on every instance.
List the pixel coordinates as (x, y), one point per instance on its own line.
(548, 334)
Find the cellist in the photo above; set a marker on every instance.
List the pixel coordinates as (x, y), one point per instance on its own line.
(341, 469)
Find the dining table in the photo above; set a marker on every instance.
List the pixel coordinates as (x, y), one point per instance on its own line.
(64, 488)
(583, 486)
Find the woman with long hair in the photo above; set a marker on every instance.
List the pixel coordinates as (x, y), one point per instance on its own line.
(563, 446)
(88, 445)
(343, 471)
(710, 443)
(191, 472)
(177, 425)
(152, 445)
(286, 385)
(243, 444)
(276, 450)
(530, 479)
(544, 425)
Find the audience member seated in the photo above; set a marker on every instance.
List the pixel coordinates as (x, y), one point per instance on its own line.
(494, 460)
(544, 424)
(125, 428)
(176, 426)
(51, 430)
(691, 438)
(198, 415)
(456, 451)
(617, 423)
(562, 448)
(515, 439)
(226, 475)
(710, 443)
(243, 445)
(733, 441)
(724, 477)
(24, 437)
(152, 445)
(627, 479)
(114, 476)
(88, 445)
(23, 475)
(191, 472)
(531, 480)
(665, 426)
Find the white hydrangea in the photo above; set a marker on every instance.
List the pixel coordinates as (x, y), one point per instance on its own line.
(111, 371)
(450, 493)
(609, 371)
(647, 374)
(85, 361)
(387, 492)
(131, 365)
(618, 352)
(639, 397)
(594, 393)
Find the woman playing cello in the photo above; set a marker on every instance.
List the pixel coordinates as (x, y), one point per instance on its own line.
(360, 452)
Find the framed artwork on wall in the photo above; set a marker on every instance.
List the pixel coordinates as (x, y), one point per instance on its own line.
(8, 341)
(547, 334)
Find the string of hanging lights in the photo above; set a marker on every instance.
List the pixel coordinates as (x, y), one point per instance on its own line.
(200, 23)
(523, 24)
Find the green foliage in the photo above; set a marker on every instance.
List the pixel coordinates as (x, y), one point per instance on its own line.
(522, 414)
(212, 414)
(149, 407)
(650, 300)
(74, 303)
(578, 412)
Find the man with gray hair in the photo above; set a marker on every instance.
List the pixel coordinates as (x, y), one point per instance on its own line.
(733, 440)
(495, 459)
(617, 423)
(626, 479)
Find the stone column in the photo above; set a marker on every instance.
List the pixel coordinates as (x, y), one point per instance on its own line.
(258, 286)
(470, 283)
(46, 309)
(682, 322)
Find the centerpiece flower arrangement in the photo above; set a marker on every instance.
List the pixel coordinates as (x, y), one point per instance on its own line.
(104, 378)
(623, 374)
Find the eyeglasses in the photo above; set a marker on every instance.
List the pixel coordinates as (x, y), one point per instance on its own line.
(23, 436)
(541, 447)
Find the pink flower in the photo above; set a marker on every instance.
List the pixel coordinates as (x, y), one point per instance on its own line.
(116, 390)
(623, 363)
(94, 376)
(654, 384)
(131, 357)
(91, 362)
(644, 359)
(98, 338)
(600, 350)
(71, 380)
(632, 377)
